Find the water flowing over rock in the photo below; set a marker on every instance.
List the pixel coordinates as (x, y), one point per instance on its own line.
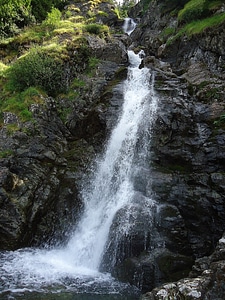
(173, 223)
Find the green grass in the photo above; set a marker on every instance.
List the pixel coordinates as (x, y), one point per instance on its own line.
(197, 27)
(33, 61)
(6, 153)
(220, 122)
(192, 10)
(19, 103)
(167, 32)
(198, 9)
(200, 26)
(97, 29)
(3, 68)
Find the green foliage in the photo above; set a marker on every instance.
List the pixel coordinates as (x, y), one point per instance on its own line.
(41, 8)
(220, 122)
(146, 4)
(77, 83)
(6, 153)
(199, 26)
(3, 67)
(97, 29)
(19, 103)
(16, 105)
(171, 6)
(167, 32)
(93, 62)
(122, 9)
(53, 19)
(14, 14)
(37, 69)
(194, 9)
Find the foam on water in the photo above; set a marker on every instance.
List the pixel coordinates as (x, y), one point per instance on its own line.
(76, 265)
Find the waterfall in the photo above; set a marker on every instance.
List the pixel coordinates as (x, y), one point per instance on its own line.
(129, 25)
(110, 190)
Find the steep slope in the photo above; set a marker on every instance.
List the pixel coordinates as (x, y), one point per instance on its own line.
(44, 157)
(54, 107)
(188, 160)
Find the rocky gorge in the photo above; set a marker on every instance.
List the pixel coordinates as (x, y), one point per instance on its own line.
(40, 177)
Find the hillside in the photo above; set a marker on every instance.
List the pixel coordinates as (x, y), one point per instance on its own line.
(60, 81)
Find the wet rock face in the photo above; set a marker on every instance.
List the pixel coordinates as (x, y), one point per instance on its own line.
(44, 161)
(185, 180)
(188, 152)
(184, 177)
(33, 181)
(206, 280)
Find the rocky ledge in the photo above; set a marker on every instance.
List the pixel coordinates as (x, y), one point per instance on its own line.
(205, 281)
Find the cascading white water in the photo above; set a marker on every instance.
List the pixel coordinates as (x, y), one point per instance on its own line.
(129, 25)
(111, 189)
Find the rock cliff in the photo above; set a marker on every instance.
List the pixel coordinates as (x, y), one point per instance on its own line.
(40, 176)
(188, 148)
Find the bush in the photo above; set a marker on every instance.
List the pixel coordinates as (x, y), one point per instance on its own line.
(14, 14)
(41, 8)
(37, 69)
(193, 10)
(53, 19)
(97, 29)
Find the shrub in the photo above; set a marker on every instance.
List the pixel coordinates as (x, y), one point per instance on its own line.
(41, 8)
(53, 19)
(6, 153)
(97, 29)
(37, 69)
(193, 10)
(199, 26)
(14, 14)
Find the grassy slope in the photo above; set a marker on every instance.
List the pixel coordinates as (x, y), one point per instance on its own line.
(55, 38)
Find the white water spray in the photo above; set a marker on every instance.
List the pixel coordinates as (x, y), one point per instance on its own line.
(110, 191)
(129, 25)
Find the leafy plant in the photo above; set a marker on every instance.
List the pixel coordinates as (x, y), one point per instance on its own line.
(220, 121)
(194, 9)
(14, 14)
(198, 26)
(41, 8)
(6, 153)
(97, 29)
(53, 19)
(37, 69)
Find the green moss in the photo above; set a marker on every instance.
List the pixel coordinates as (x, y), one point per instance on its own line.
(63, 113)
(175, 266)
(167, 32)
(6, 153)
(193, 10)
(146, 4)
(200, 26)
(19, 103)
(198, 9)
(97, 29)
(12, 128)
(220, 122)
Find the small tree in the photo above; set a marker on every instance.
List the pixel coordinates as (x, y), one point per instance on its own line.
(41, 8)
(14, 14)
(37, 69)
